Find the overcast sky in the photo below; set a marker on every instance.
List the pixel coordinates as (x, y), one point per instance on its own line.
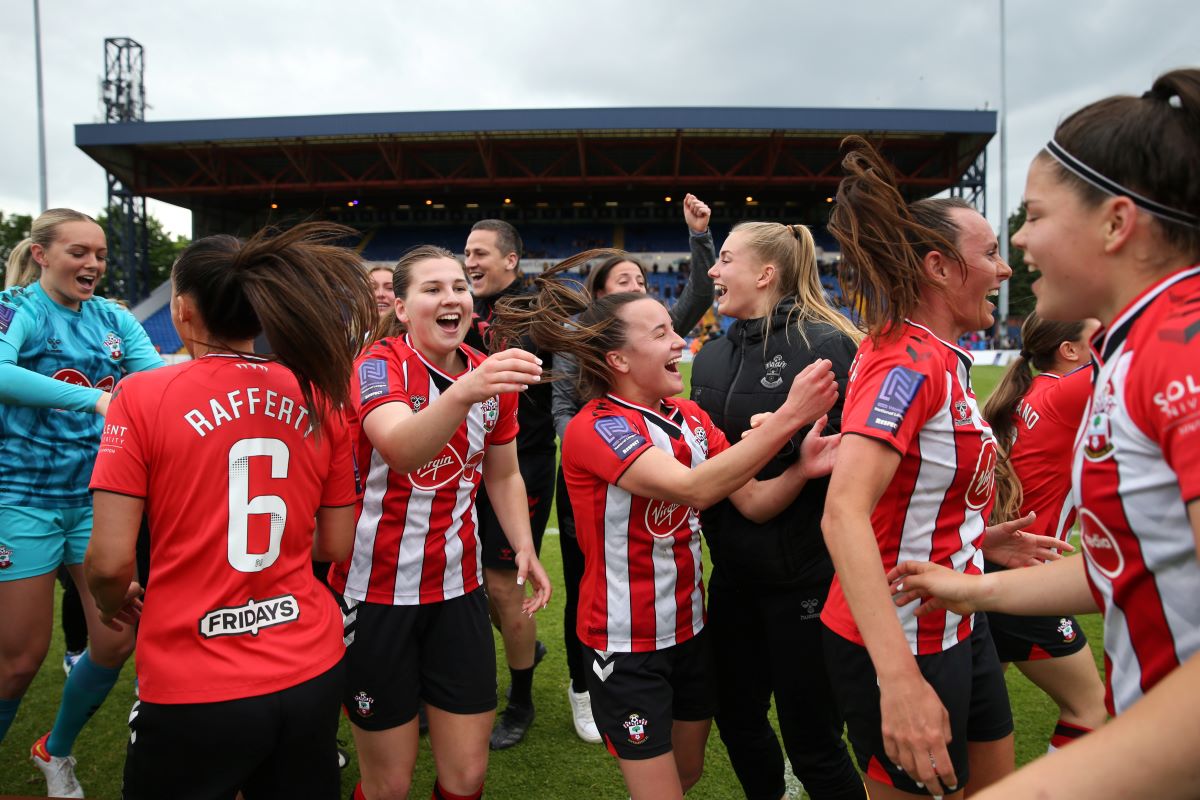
(216, 58)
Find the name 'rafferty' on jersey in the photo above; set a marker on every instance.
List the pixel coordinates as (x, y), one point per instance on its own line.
(251, 401)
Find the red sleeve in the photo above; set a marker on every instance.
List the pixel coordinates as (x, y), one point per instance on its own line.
(892, 395)
(506, 426)
(121, 461)
(605, 446)
(1161, 391)
(378, 379)
(1071, 397)
(339, 488)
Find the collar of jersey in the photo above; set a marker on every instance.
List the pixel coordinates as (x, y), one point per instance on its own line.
(425, 361)
(238, 356)
(1106, 340)
(966, 357)
(675, 429)
(36, 290)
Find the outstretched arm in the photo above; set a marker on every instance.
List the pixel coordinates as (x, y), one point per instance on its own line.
(697, 295)
(656, 474)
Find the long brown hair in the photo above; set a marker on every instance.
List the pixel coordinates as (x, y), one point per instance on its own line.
(1148, 144)
(884, 239)
(309, 296)
(794, 253)
(560, 318)
(1040, 341)
(391, 325)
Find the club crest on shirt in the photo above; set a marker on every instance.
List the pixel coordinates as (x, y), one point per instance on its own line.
(363, 703)
(636, 726)
(962, 413)
(899, 389)
(5, 557)
(112, 343)
(701, 437)
(774, 377)
(1066, 627)
(491, 413)
(1097, 435)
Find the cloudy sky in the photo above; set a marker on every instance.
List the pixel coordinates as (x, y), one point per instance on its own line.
(218, 58)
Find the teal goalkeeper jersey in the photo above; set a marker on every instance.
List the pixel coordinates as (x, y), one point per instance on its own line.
(54, 362)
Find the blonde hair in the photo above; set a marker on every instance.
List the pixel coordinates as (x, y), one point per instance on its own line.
(21, 267)
(794, 253)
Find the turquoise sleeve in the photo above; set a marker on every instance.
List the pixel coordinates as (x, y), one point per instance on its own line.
(140, 354)
(22, 387)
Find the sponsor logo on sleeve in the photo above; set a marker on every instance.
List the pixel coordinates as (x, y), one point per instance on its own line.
(372, 379)
(895, 396)
(6, 317)
(618, 434)
(250, 618)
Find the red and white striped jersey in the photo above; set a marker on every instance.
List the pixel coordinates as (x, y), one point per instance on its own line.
(1137, 467)
(1046, 422)
(643, 578)
(416, 539)
(913, 393)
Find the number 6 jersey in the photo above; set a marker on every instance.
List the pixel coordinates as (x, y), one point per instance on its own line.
(224, 452)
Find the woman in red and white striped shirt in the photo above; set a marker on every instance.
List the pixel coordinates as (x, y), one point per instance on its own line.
(639, 462)
(431, 419)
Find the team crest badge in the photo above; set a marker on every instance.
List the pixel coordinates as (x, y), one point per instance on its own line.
(701, 437)
(962, 413)
(1097, 444)
(1067, 628)
(364, 704)
(5, 557)
(491, 413)
(774, 377)
(112, 343)
(636, 726)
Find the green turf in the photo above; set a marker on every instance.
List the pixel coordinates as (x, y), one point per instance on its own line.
(551, 763)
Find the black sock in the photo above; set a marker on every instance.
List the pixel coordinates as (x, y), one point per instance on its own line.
(522, 687)
(579, 685)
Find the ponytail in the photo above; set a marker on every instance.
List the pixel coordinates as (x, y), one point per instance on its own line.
(884, 239)
(308, 295)
(560, 318)
(21, 269)
(1040, 340)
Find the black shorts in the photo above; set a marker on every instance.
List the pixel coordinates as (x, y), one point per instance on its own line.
(537, 470)
(282, 744)
(636, 697)
(397, 656)
(1033, 638)
(968, 680)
